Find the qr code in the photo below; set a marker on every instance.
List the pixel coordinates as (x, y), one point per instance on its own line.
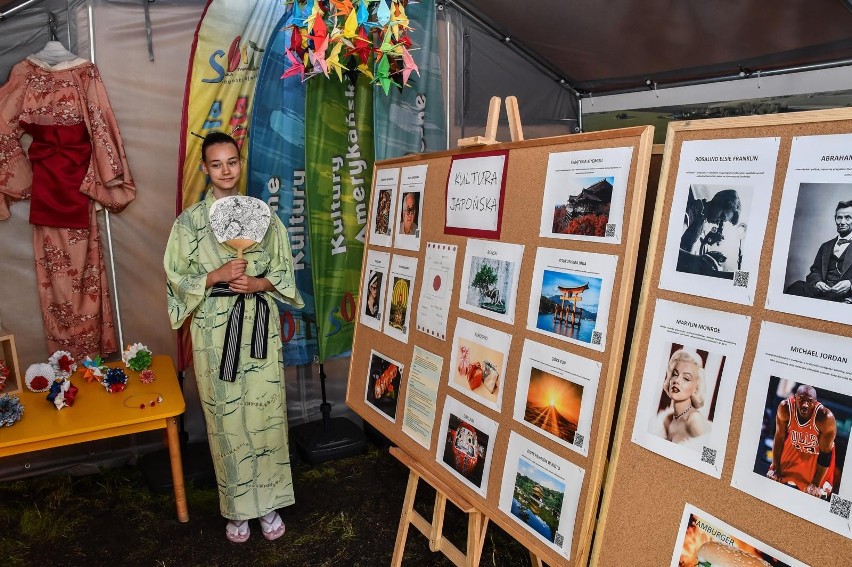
(597, 337)
(740, 279)
(579, 439)
(708, 455)
(559, 539)
(610, 230)
(840, 506)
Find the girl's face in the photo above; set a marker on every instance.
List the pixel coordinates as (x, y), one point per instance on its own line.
(683, 380)
(222, 164)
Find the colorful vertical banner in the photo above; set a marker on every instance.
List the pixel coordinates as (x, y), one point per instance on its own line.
(276, 175)
(411, 119)
(225, 57)
(339, 159)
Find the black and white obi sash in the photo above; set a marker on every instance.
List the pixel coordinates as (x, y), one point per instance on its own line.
(234, 331)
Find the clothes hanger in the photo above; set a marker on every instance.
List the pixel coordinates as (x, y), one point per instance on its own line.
(54, 52)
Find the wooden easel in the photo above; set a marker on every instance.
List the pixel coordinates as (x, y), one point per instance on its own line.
(477, 522)
(490, 136)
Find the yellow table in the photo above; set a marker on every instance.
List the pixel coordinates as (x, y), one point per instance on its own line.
(97, 414)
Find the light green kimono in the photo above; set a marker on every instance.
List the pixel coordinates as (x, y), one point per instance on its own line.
(246, 419)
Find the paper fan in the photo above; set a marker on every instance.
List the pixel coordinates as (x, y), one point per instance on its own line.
(239, 221)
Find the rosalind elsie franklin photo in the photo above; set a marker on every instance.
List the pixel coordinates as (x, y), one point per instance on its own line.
(711, 243)
(685, 408)
(822, 231)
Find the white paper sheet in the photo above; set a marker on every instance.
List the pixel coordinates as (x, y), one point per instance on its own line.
(384, 204)
(819, 177)
(384, 382)
(556, 393)
(570, 296)
(489, 284)
(540, 491)
(788, 360)
(698, 352)
(436, 289)
(584, 194)
(373, 289)
(700, 532)
(478, 362)
(399, 293)
(713, 246)
(409, 212)
(421, 396)
(474, 192)
(466, 444)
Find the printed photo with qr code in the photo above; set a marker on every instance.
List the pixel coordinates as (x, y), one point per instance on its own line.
(570, 296)
(794, 440)
(584, 194)
(555, 394)
(718, 218)
(688, 384)
(539, 491)
(467, 444)
(811, 270)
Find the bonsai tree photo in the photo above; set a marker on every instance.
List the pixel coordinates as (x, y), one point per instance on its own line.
(485, 280)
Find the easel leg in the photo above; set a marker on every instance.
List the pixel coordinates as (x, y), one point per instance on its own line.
(436, 533)
(477, 523)
(535, 561)
(405, 519)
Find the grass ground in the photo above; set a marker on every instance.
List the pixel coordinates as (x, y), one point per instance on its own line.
(346, 514)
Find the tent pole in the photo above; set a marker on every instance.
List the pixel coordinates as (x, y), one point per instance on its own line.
(21, 6)
(112, 282)
(730, 77)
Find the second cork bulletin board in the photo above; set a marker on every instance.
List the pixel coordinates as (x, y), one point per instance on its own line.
(522, 210)
(760, 342)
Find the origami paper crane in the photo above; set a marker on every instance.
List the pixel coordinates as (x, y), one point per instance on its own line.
(296, 67)
(409, 66)
(333, 60)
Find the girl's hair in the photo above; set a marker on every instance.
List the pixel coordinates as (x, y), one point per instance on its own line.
(216, 138)
(697, 398)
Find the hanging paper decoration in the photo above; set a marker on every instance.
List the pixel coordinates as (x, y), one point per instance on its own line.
(333, 37)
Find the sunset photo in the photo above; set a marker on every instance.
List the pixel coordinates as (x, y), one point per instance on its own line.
(553, 404)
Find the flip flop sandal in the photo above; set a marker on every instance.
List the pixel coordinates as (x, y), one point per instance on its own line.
(237, 531)
(273, 528)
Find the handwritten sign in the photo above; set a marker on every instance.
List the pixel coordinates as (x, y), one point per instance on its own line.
(475, 191)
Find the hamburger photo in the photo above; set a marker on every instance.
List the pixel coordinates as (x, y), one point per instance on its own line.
(715, 554)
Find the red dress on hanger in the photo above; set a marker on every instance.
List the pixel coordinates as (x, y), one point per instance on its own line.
(76, 158)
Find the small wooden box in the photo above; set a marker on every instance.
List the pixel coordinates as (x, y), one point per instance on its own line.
(9, 356)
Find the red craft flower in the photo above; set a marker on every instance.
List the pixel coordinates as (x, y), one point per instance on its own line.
(65, 363)
(39, 383)
(115, 388)
(146, 376)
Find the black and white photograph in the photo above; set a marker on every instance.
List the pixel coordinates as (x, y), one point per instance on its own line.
(691, 370)
(811, 273)
(794, 440)
(718, 218)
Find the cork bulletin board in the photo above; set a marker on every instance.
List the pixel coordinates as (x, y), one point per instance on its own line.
(381, 388)
(690, 468)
